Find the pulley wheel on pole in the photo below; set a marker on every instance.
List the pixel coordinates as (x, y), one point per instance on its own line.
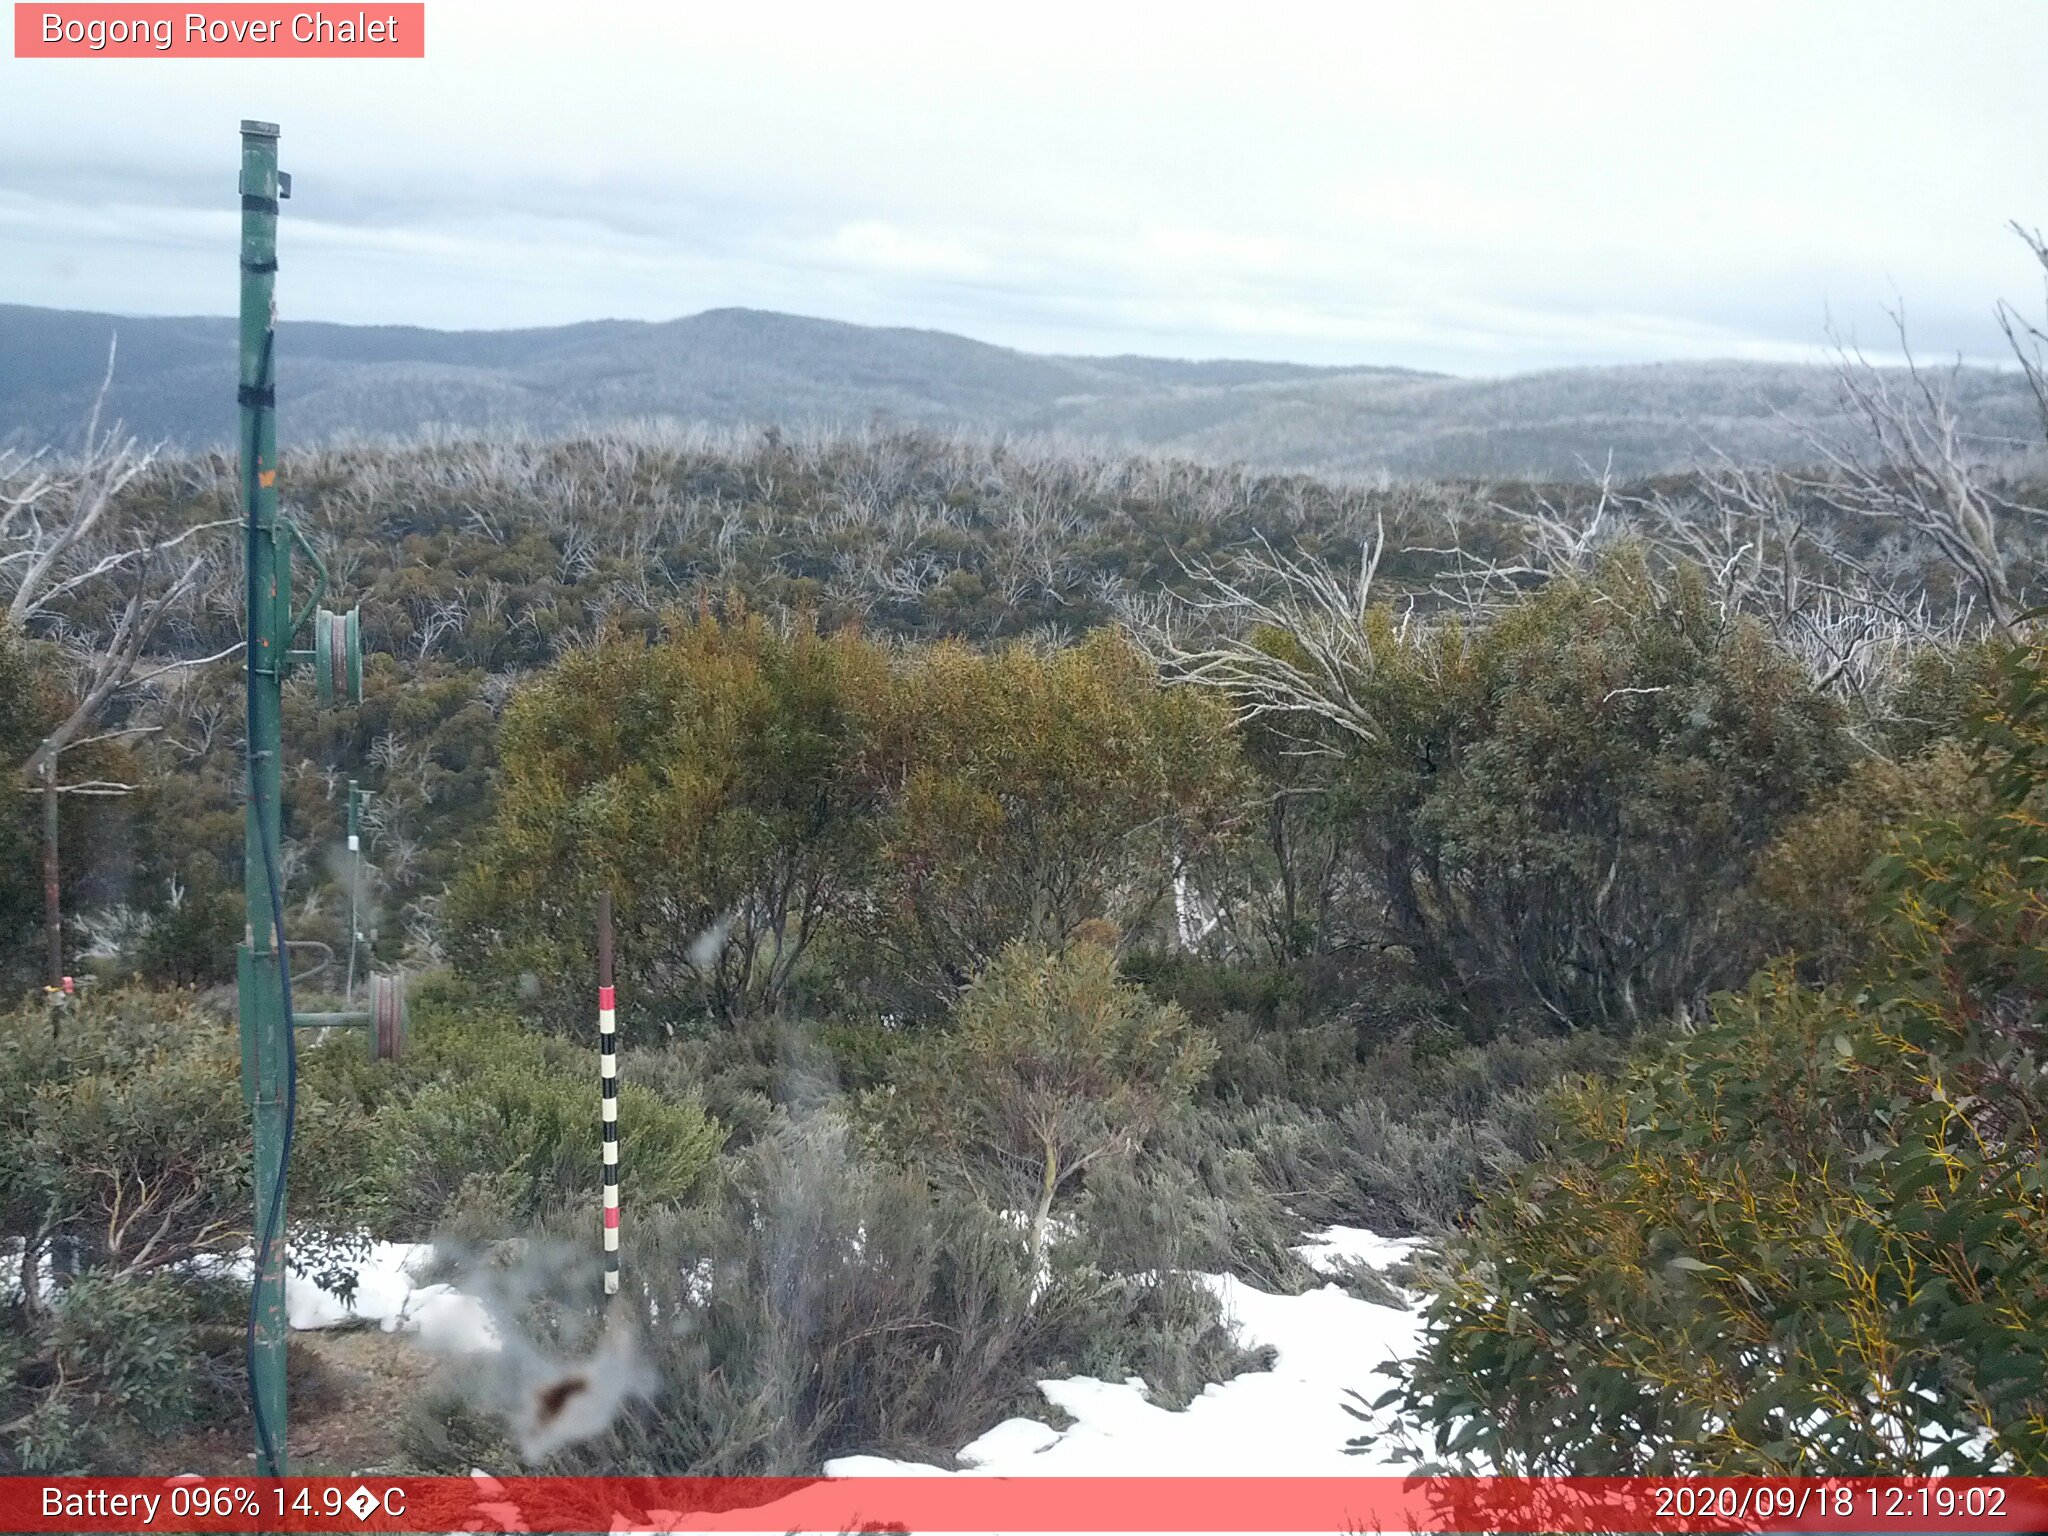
(387, 1017)
(338, 657)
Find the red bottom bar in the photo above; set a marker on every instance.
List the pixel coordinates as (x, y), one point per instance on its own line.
(1051, 1504)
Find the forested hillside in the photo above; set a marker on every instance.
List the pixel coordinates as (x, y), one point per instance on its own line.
(750, 368)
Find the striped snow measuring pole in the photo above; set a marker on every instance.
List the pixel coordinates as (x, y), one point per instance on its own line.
(608, 1086)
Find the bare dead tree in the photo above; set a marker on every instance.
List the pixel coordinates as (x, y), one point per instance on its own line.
(1769, 550)
(1322, 618)
(1746, 530)
(64, 547)
(1770, 542)
(2028, 340)
(446, 617)
(1552, 539)
(1769, 555)
(1918, 468)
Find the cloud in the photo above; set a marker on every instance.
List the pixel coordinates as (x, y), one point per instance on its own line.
(1473, 187)
(891, 249)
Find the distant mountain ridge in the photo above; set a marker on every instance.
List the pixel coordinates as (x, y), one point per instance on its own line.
(739, 366)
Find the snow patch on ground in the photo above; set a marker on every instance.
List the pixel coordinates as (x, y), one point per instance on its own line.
(1289, 1421)
(1335, 1247)
(1008, 1441)
(388, 1295)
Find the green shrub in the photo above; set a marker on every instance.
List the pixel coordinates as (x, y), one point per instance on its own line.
(195, 940)
(1556, 813)
(122, 1129)
(1034, 793)
(1315, 1064)
(125, 1145)
(824, 1305)
(1265, 996)
(1585, 847)
(1190, 1203)
(1939, 695)
(501, 1123)
(1818, 885)
(121, 1361)
(1164, 1327)
(736, 1077)
(1281, 1168)
(786, 817)
(1813, 1237)
(1052, 1062)
(1399, 1138)
(716, 782)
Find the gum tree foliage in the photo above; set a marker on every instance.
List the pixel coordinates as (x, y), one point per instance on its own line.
(716, 780)
(1031, 792)
(482, 561)
(1052, 1063)
(751, 791)
(1812, 1237)
(1553, 806)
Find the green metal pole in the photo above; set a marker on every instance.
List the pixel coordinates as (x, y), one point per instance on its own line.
(355, 886)
(265, 1029)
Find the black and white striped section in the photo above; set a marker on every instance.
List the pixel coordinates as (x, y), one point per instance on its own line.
(608, 1084)
(608, 1089)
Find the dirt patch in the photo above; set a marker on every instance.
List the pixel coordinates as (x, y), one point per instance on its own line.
(350, 1389)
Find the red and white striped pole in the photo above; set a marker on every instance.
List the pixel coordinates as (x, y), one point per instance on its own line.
(608, 1087)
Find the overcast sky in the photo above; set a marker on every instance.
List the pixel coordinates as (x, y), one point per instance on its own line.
(1473, 187)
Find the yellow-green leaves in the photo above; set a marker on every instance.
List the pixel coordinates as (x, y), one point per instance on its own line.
(1812, 1237)
(774, 787)
(1051, 1063)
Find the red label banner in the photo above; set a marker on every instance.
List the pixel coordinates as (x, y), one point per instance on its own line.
(1051, 1504)
(118, 31)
